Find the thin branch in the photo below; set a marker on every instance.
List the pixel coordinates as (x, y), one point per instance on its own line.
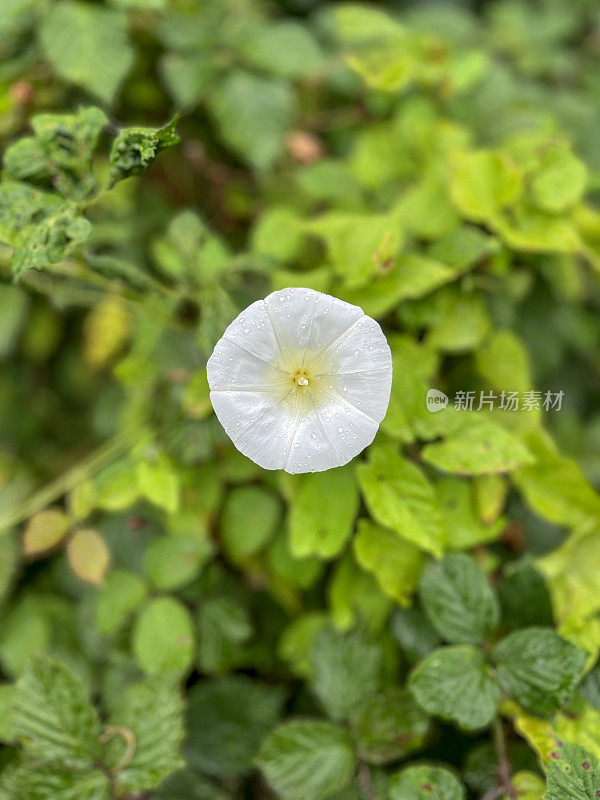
(506, 784)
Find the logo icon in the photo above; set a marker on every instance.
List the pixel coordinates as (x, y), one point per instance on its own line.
(436, 400)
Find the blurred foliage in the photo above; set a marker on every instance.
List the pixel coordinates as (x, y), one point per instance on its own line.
(178, 624)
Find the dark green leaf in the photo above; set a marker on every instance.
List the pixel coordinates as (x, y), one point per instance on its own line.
(389, 727)
(345, 671)
(458, 600)
(538, 668)
(135, 149)
(455, 683)
(226, 719)
(307, 758)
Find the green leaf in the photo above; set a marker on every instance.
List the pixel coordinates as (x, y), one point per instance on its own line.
(464, 529)
(458, 600)
(296, 642)
(464, 247)
(425, 783)
(7, 691)
(358, 243)
(559, 180)
(504, 364)
(524, 597)
(416, 635)
(394, 562)
(399, 496)
(87, 45)
(120, 596)
(346, 669)
(135, 149)
(189, 785)
(48, 782)
(307, 758)
(227, 718)
(554, 486)
(172, 562)
(253, 114)
(528, 786)
(53, 716)
(590, 688)
(250, 518)
(152, 711)
(455, 683)
(25, 632)
(484, 182)
(60, 154)
(284, 48)
(389, 727)
(354, 596)
(478, 448)
(163, 637)
(158, 481)
(38, 225)
(573, 774)
(322, 512)
(223, 625)
(188, 77)
(538, 668)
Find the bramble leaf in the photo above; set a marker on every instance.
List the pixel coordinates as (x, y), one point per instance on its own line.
(538, 668)
(53, 715)
(458, 600)
(307, 758)
(455, 683)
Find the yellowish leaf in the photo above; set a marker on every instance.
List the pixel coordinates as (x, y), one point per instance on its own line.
(45, 530)
(107, 328)
(88, 556)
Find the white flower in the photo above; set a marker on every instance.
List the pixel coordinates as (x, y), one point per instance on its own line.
(301, 380)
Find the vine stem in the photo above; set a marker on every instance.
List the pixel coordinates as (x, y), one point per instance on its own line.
(503, 762)
(365, 782)
(55, 489)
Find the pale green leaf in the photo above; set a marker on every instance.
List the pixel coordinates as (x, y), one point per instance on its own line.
(163, 637)
(87, 44)
(250, 518)
(253, 114)
(425, 782)
(399, 496)
(322, 512)
(120, 596)
(395, 563)
(478, 448)
(172, 562)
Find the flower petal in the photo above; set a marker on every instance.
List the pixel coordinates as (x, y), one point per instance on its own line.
(329, 437)
(257, 425)
(308, 319)
(362, 363)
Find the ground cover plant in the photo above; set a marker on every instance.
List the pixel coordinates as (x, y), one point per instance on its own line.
(177, 623)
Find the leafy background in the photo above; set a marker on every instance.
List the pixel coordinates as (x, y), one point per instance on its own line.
(178, 624)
